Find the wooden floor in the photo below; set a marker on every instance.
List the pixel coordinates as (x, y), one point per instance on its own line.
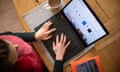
(108, 48)
(8, 17)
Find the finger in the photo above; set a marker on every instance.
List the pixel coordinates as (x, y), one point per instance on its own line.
(67, 44)
(64, 40)
(50, 36)
(49, 22)
(57, 39)
(47, 25)
(50, 31)
(61, 38)
(53, 45)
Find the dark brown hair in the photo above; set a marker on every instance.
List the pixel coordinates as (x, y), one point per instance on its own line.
(4, 54)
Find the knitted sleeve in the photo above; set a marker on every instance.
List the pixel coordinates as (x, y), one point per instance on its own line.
(58, 67)
(27, 36)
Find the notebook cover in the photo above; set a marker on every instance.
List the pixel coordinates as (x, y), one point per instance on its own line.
(76, 63)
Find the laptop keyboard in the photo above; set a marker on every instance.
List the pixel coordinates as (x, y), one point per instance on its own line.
(63, 26)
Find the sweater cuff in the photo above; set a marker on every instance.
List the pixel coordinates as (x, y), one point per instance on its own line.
(58, 67)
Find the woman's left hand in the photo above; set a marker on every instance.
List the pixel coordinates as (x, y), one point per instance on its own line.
(44, 33)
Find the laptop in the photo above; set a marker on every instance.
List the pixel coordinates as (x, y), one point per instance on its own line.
(80, 24)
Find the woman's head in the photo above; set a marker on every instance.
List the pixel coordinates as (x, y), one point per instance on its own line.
(8, 54)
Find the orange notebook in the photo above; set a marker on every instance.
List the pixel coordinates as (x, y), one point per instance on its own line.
(91, 64)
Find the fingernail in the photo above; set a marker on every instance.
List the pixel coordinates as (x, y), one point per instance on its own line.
(50, 22)
(54, 28)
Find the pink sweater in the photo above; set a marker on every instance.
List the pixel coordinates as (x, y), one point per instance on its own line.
(28, 60)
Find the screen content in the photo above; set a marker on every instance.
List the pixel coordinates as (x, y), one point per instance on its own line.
(84, 21)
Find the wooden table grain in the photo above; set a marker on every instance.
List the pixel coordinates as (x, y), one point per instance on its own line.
(108, 48)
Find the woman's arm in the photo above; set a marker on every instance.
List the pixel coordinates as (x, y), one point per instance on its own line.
(42, 34)
(58, 67)
(27, 36)
(59, 47)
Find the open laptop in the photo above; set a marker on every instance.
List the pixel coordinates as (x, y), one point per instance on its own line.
(78, 22)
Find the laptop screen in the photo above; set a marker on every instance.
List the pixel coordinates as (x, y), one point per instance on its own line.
(84, 21)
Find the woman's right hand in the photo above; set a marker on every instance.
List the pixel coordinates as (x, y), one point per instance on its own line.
(60, 45)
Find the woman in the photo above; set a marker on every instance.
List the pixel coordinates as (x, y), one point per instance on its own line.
(16, 55)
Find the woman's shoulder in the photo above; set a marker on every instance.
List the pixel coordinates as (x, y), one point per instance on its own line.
(29, 62)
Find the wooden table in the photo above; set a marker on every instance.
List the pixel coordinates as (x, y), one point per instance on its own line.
(108, 48)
